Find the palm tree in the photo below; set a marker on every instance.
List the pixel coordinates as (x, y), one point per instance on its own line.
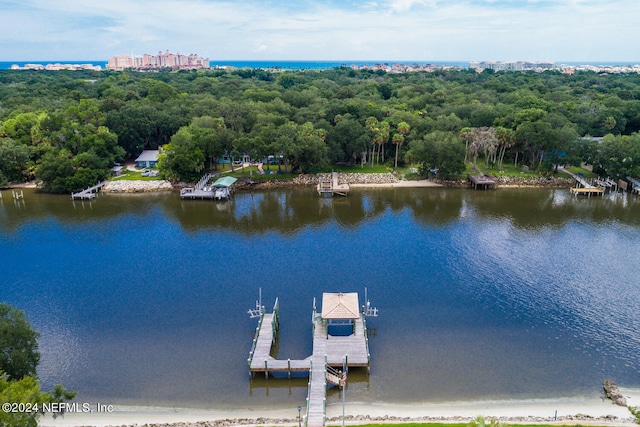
(385, 130)
(506, 139)
(373, 126)
(398, 138)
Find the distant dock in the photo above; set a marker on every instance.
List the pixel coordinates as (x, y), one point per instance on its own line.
(219, 190)
(88, 193)
(330, 186)
(330, 352)
(583, 187)
(635, 184)
(481, 181)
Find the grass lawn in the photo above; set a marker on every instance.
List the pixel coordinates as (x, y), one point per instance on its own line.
(508, 169)
(256, 176)
(577, 170)
(357, 169)
(488, 423)
(135, 176)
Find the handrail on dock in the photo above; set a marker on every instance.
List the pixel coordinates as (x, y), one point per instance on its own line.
(87, 193)
(306, 421)
(255, 342)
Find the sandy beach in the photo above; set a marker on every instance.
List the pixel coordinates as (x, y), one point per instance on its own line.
(583, 410)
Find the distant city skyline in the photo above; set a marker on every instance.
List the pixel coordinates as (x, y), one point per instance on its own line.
(299, 30)
(165, 59)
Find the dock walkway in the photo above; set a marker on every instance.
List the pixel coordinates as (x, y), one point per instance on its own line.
(88, 193)
(328, 351)
(219, 190)
(330, 186)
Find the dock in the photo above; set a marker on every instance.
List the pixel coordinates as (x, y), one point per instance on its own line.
(481, 181)
(330, 186)
(88, 193)
(332, 354)
(584, 187)
(635, 184)
(219, 190)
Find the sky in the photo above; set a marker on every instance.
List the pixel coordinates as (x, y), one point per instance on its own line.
(336, 30)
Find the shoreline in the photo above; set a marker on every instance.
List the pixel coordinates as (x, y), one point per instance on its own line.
(355, 180)
(587, 410)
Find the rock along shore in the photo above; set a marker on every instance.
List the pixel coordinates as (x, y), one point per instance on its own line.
(357, 179)
(383, 179)
(387, 419)
(136, 186)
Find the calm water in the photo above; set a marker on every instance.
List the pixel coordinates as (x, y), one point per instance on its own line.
(142, 299)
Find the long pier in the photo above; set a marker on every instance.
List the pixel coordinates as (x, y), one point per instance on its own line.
(329, 352)
(88, 193)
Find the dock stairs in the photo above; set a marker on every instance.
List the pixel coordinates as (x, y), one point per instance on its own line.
(334, 376)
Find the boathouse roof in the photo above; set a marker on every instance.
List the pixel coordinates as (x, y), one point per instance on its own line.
(340, 306)
(226, 181)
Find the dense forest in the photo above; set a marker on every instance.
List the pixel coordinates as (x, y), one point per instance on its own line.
(67, 128)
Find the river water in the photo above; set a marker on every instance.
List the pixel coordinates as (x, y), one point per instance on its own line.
(142, 299)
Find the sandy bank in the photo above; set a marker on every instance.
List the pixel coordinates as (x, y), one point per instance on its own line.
(585, 410)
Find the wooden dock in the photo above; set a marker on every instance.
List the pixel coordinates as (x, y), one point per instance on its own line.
(219, 190)
(583, 187)
(481, 181)
(88, 193)
(330, 186)
(329, 352)
(635, 184)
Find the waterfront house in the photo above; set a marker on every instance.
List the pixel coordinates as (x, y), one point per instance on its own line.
(147, 159)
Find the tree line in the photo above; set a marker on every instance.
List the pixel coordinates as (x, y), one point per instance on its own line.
(20, 395)
(68, 128)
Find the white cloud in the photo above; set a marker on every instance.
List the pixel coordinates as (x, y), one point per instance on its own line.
(405, 5)
(388, 30)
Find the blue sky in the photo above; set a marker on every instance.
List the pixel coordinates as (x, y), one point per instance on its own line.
(394, 30)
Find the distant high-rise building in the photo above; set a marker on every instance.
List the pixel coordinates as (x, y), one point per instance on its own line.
(511, 66)
(161, 60)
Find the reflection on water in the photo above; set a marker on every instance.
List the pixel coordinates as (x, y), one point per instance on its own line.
(143, 298)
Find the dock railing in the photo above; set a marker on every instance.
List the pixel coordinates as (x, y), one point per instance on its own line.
(274, 330)
(203, 181)
(255, 341)
(366, 341)
(276, 318)
(306, 421)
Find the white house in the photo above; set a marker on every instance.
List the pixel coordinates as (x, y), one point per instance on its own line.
(147, 159)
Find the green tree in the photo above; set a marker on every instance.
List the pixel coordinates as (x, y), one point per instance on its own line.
(402, 129)
(62, 172)
(14, 158)
(441, 151)
(19, 355)
(26, 391)
(311, 149)
(182, 159)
